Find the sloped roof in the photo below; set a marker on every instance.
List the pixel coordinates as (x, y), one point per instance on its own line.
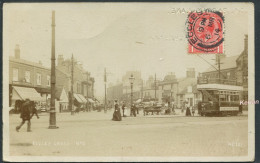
(169, 78)
(58, 91)
(226, 63)
(11, 58)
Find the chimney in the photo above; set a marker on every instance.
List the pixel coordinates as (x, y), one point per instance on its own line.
(60, 60)
(246, 43)
(17, 52)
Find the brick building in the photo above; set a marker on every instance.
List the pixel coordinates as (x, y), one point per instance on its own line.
(242, 69)
(83, 83)
(115, 92)
(233, 69)
(26, 79)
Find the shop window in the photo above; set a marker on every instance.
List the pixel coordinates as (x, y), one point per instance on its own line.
(228, 75)
(39, 79)
(15, 74)
(27, 76)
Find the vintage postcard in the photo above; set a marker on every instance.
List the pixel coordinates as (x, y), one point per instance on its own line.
(128, 82)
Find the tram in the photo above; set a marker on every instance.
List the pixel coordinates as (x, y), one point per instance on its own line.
(219, 97)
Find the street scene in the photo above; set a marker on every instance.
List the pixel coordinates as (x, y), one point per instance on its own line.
(95, 134)
(117, 80)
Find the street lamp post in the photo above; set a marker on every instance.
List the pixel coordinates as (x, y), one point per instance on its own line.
(52, 121)
(131, 79)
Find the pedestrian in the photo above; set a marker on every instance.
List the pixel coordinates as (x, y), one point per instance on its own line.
(123, 109)
(193, 111)
(133, 108)
(188, 111)
(25, 115)
(117, 114)
(173, 107)
(199, 107)
(183, 107)
(34, 110)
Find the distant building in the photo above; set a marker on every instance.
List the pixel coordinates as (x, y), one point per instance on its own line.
(115, 92)
(184, 85)
(233, 72)
(242, 69)
(191, 95)
(136, 85)
(168, 88)
(228, 69)
(83, 83)
(30, 75)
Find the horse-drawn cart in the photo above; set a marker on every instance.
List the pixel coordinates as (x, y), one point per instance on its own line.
(152, 109)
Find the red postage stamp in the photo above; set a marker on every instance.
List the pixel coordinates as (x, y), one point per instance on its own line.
(205, 32)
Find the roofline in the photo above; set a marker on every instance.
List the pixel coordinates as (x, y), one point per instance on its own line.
(220, 70)
(42, 67)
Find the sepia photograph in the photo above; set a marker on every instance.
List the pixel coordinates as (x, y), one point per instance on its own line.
(129, 81)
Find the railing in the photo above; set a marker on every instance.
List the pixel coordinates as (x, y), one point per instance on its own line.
(203, 80)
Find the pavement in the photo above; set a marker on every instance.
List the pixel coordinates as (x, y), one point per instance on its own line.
(95, 134)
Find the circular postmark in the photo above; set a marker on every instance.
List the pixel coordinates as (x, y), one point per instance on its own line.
(205, 30)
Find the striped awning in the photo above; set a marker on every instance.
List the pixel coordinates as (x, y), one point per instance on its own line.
(23, 93)
(90, 100)
(82, 98)
(78, 98)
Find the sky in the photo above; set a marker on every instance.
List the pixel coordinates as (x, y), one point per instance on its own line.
(146, 37)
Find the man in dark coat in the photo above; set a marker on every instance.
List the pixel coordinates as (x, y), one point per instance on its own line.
(133, 110)
(25, 115)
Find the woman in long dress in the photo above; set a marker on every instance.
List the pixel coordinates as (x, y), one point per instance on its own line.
(117, 114)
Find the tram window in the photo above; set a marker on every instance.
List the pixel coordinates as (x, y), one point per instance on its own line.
(234, 98)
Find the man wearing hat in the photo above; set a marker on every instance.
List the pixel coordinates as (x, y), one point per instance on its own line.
(25, 115)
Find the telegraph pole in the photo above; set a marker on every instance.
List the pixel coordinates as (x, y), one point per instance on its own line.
(72, 83)
(52, 122)
(105, 80)
(219, 67)
(155, 87)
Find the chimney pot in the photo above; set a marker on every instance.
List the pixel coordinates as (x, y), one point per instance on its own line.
(17, 52)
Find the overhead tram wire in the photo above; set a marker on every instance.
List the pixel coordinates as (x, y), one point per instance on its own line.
(211, 65)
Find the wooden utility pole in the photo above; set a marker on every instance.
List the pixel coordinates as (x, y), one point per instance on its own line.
(52, 121)
(72, 83)
(218, 60)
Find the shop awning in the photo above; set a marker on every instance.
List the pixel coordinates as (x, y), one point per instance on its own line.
(23, 93)
(78, 98)
(138, 101)
(82, 98)
(90, 100)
